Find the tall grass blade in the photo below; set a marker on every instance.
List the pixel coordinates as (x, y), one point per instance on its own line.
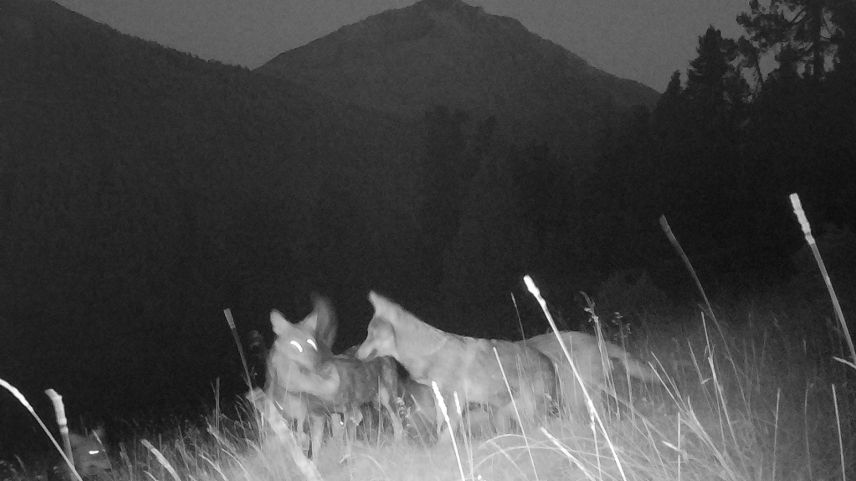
(664, 224)
(61, 420)
(840, 440)
(677, 245)
(809, 238)
(516, 412)
(21, 399)
(445, 411)
(568, 455)
(536, 293)
(265, 406)
(161, 459)
(231, 321)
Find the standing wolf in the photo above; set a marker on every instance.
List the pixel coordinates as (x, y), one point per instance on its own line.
(311, 337)
(303, 374)
(463, 365)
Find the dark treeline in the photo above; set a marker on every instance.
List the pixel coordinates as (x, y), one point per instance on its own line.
(722, 150)
(143, 190)
(718, 156)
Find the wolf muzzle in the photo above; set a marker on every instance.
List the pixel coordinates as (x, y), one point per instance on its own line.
(366, 356)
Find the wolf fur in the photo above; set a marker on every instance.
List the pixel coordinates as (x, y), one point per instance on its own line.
(463, 365)
(592, 364)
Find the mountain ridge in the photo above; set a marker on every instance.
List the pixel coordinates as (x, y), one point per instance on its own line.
(405, 61)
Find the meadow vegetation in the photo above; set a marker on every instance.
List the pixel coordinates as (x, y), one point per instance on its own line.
(760, 390)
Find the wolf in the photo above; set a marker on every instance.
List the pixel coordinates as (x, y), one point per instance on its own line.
(592, 361)
(305, 375)
(312, 339)
(89, 457)
(462, 365)
(344, 384)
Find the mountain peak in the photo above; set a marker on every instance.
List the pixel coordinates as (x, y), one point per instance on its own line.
(450, 6)
(447, 52)
(445, 4)
(469, 17)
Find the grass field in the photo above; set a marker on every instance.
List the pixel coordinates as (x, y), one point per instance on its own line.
(751, 387)
(754, 395)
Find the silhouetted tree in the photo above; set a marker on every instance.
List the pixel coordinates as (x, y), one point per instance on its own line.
(844, 40)
(715, 91)
(669, 112)
(799, 31)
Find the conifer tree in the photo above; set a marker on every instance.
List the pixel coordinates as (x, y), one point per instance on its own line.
(802, 32)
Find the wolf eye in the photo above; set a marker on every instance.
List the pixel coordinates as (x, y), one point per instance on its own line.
(311, 342)
(297, 346)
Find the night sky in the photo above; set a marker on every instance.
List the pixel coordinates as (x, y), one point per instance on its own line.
(641, 40)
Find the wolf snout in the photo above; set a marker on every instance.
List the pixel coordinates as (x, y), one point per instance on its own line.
(365, 353)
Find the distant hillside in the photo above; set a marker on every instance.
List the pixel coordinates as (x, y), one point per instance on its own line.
(143, 190)
(447, 52)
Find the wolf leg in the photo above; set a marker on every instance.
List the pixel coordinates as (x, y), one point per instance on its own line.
(384, 398)
(504, 418)
(316, 434)
(454, 424)
(338, 427)
(352, 419)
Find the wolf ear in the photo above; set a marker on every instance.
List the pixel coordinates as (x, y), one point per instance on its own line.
(279, 323)
(310, 322)
(381, 305)
(374, 298)
(327, 323)
(378, 301)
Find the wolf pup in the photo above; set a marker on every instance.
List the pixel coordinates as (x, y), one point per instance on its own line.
(463, 365)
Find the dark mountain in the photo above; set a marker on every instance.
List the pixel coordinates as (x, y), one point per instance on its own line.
(143, 190)
(446, 52)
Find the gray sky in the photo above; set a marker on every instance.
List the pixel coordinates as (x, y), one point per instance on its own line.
(644, 40)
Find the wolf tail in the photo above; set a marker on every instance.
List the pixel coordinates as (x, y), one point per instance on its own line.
(632, 366)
